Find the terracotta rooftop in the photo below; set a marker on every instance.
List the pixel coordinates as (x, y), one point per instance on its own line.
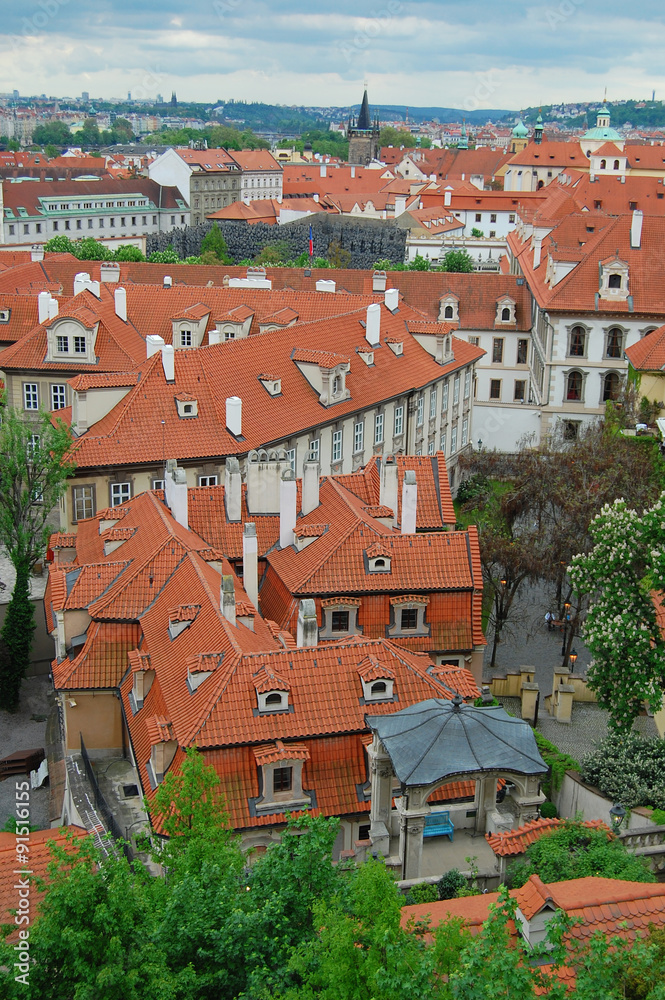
(516, 841)
(648, 354)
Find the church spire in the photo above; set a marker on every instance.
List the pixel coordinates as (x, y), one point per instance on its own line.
(364, 121)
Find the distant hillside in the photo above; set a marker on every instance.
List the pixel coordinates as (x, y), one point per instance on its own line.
(480, 117)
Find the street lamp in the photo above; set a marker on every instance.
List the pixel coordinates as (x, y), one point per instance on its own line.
(572, 659)
(566, 609)
(480, 443)
(617, 816)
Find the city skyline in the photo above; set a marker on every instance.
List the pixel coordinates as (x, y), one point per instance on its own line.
(414, 53)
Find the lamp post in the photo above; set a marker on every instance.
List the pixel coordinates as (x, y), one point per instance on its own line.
(572, 659)
(566, 609)
(480, 444)
(617, 816)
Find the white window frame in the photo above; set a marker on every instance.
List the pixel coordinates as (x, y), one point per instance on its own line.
(465, 431)
(453, 440)
(456, 390)
(291, 459)
(420, 410)
(399, 421)
(379, 423)
(159, 484)
(58, 396)
(207, 480)
(314, 450)
(467, 383)
(336, 450)
(30, 395)
(432, 403)
(358, 436)
(80, 345)
(62, 344)
(120, 493)
(83, 498)
(185, 338)
(444, 397)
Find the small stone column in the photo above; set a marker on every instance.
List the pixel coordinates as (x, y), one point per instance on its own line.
(381, 772)
(411, 826)
(486, 801)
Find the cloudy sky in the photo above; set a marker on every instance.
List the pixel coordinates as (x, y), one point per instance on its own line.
(485, 54)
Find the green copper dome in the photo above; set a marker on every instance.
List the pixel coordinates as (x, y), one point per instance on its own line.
(520, 131)
(605, 132)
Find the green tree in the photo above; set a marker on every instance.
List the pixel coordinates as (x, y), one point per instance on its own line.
(419, 264)
(168, 256)
(34, 466)
(274, 254)
(128, 252)
(59, 244)
(50, 150)
(477, 233)
(572, 850)
(390, 136)
(55, 133)
(213, 242)
(621, 573)
(457, 260)
(338, 256)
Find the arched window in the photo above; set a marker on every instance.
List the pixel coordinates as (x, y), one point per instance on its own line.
(614, 281)
(574, 386)
(603, 164)
(541, 184)
(577, 342)
(336, 385)
(448, 312)
(616, 165)
(378, 687)
(505, 314)
(274, 699)
(614, 343)
(611, 386)
(379, 563)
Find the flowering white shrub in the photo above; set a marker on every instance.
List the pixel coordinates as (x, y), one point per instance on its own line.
(629, 769)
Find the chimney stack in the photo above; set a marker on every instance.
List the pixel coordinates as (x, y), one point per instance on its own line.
(227, 599)
(391, 298)
(120, 297)
(409, 503)
(379, 281)
(389, 484)
(168, 362)
(232, 489)
(37, 252)
(636, 230)
(53, 308)
(153, 344)
(373, 327)
(43, 300)
(109, 271)
(324, 285)
(447, 196)
(175, 491)
(234, 415)
(288, 501)
(250, 563)
(537, 247)
(308, 627)
(311, 472)
(168, 281)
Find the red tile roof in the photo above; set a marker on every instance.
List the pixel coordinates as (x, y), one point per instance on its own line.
(516, 841)
(30, 196)
(648, 354)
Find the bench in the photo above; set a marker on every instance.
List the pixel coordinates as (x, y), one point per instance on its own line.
(21, 762)
(439, 824)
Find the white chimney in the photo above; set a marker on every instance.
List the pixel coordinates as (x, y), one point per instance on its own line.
(168, 281)
(389, 484)
(636, 230)
(250, 563)
(537, 247)
(53, 308)
(322, 170)
(400, 205)
(120, 297)
(409, 503)
(379, 281)
(288, 507)
(447, 196)
(81, 282)
(233, 489)
(373, 327)
(234, 415)
(43, 300)
(311, 471)
(109, 271)
(227, 599)
(153, 343)
(308, 627)
(323, 285)
(391, 298)
(175, 491)
(353, 171)
(214, 337)
(168, 362)
(36, 252)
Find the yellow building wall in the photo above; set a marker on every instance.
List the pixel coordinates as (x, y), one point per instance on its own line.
(97, 716)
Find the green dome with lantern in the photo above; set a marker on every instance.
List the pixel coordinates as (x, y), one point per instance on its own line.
(520, 131)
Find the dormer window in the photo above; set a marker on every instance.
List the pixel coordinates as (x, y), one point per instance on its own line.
(505, 310)
(448, 312)
(448, 308)
(186, 405)
(181, 618)
(185, 338)
(614, 281)
(505, 315)
(62, 345)
(395, 345)
(407, 616)
(339, 617)
(272, 692)
(271, 384)
(280, 769)
(336, 385)
(377, 559)
(377, 679)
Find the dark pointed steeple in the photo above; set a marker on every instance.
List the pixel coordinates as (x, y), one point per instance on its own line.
(364, 121)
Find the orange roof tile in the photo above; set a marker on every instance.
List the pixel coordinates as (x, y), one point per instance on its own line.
(648, 354)
(517, 841)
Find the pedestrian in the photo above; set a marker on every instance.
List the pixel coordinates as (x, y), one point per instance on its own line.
(549, 620)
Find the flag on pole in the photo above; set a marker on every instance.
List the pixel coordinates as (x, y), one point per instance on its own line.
(311, 241)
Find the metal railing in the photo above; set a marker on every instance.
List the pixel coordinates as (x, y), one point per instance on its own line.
(102, 805)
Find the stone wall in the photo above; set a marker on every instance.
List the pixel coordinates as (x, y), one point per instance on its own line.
(368, 240)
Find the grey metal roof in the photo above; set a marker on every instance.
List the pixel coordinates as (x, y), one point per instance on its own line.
(437, 739)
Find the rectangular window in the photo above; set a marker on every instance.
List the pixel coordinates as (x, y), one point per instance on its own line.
(378, 428)
(467, 383)
(314, 450)
(26, 228)
(456, 391)
(122, 220)
(112, 222)
(444, 398)
(38, 227)
(520, 389)
(399, 420)
(207, 480)
(339, 621)
(478, 217)
(30, 396)
(58, 397)
(133, 220)
(154, 220)
(432, 404)
(522, 348)
(62, 345)
(475, 341)
(33, 445)
(493, 217)
(55, 227)
(83, 502)
(101, 223)
(79, 224)
(79, 345)
(282, 779)
(337, 446)
(67, 224)
(420, 411)
(291, 459)
(173, 220)
(465, 431)
(185, 338)
(409, 618)
(430, 448)
(120, 493)
(497, 350)
(89, 223)
(492, 233)
(443, 442)
(144, 220)
(511, 217)
(358, 436)
(453, 440)
(159, 484)
(495, 388)
(13, 228)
